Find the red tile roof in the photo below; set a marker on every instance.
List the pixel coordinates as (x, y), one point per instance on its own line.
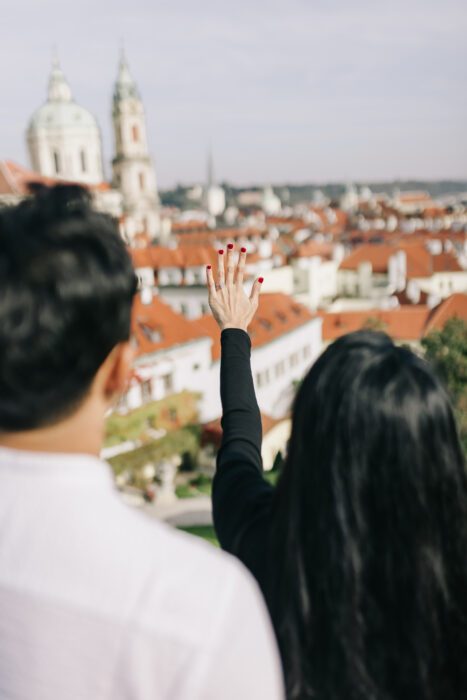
(172, 328)
(419, 259)
(277, 314)
(446, 262)
(14, 179)
(377, 255)
(406, 323)
(455, 305)
(159, 257)
(420, 262)
(414, 197)
(312, 248)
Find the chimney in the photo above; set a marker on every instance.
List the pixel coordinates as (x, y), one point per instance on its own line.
(146, 296)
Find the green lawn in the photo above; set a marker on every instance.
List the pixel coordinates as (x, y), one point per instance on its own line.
(200, 485)
(207, 532)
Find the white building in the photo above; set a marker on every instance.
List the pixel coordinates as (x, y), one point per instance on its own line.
(176, 354)
(286, 340)
(270, 202)
(63, 138)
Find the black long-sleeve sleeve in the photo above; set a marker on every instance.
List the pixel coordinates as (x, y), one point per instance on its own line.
(241, 497)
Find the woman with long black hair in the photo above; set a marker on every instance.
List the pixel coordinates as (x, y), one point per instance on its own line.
(361, 549)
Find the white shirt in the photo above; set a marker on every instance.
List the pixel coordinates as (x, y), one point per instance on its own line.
(99, 601)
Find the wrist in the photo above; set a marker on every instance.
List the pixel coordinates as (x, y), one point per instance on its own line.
(235, 326)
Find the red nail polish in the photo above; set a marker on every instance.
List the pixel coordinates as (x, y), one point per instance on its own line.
(209, 267)
(221, 252)
(261, 280)
(230, 246)
(243, 250)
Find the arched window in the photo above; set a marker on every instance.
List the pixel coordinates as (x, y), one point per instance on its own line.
(57, 162)
(141, 181)
(82, 156)
(135, 133)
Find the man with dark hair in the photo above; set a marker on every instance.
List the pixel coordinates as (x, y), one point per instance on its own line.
(96, 600)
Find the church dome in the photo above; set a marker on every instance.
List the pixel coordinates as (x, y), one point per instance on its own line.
(60, 111)
(63, 138)
(62, 115)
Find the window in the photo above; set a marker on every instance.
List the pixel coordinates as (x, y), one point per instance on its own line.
(204, 308)
(262, 378)
(183, 309)
(146, 390)
(306, 352)
(134, 133)
(141, 181)
(152, 334)
(294, 359)
(282, 317)
(279, 369)
(57, 162)
(82, 156)
(167, 381)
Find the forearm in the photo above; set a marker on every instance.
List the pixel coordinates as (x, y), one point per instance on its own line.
(241, 420)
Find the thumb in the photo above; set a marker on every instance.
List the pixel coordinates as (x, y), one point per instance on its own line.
(254, 296)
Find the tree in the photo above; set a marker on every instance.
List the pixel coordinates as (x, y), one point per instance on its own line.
(447, 351)
(374, 323)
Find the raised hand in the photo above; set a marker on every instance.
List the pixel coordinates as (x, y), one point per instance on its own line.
(229, 304)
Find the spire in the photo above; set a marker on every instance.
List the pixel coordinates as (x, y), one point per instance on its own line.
(125, 86)
(210, 169)
(59, 90)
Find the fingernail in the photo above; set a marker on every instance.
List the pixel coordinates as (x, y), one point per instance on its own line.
(243, 250)
(209, 267)
(221, 252)
(261, 280)
(230, 246)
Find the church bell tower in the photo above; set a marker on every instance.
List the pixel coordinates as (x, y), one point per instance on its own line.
(133, 170)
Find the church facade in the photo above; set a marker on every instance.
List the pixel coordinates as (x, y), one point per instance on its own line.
(64, 142)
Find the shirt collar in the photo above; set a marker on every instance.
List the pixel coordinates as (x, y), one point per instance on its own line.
(79, 468)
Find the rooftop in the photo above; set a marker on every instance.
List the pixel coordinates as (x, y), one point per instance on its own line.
(156, 326)
(277, 314)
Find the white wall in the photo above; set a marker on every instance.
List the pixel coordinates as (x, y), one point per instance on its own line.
(68, 144)
(315, 280)
(274, 366)
(443, 284)
(279, 279)
(277, 364)
(191, 301)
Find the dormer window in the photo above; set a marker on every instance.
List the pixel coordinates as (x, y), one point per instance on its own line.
(282, 317)
(152, 334)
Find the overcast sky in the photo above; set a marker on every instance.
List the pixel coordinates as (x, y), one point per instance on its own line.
(289, 91)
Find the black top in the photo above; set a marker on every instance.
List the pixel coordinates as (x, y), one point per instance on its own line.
(241, 497)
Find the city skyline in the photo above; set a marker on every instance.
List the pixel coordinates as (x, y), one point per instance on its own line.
(311, 92)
